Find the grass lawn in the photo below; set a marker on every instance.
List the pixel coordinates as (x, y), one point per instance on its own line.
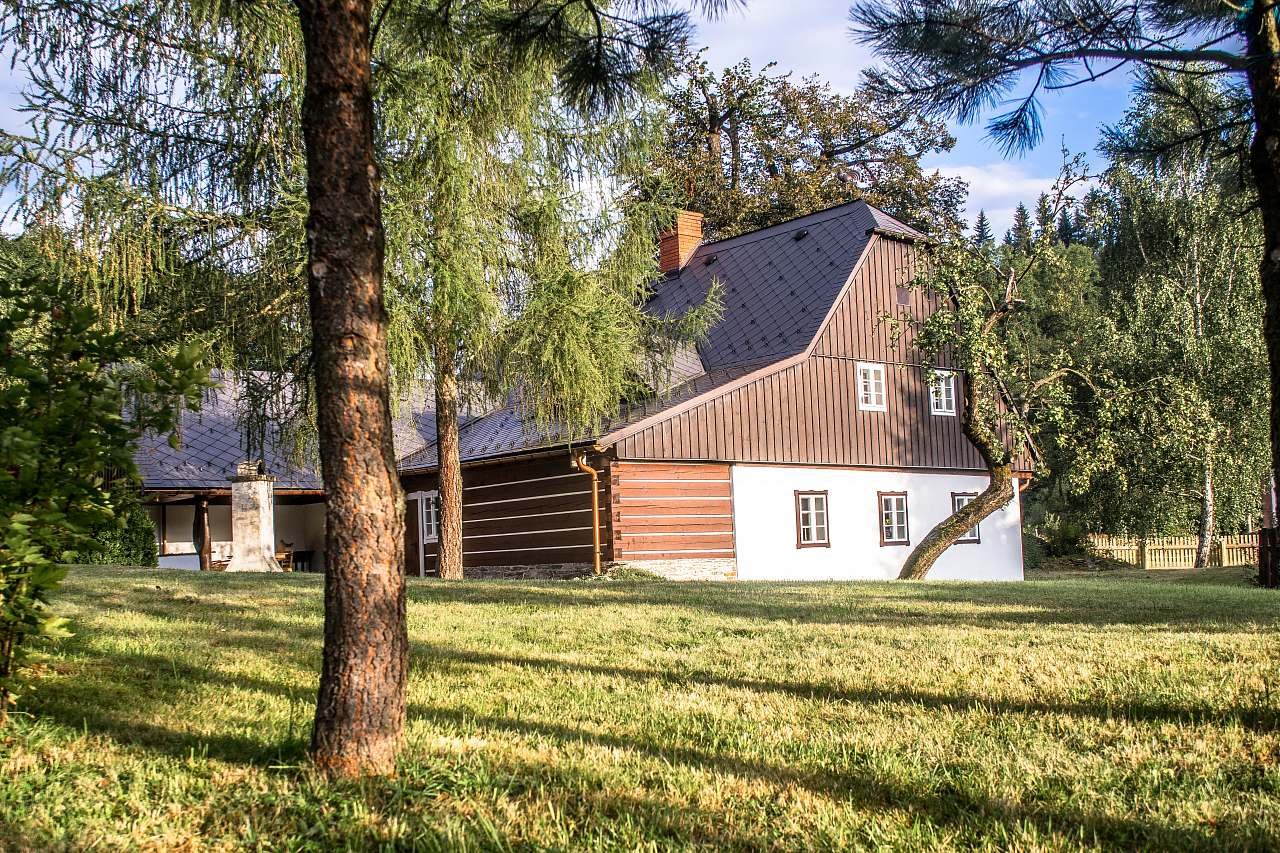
(1098, 711)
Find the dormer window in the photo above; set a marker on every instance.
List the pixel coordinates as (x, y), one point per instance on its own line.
(871, 386)
(942, 393)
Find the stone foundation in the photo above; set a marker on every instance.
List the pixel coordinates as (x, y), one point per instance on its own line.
(710, 569)
(672, 570)
(547, 572)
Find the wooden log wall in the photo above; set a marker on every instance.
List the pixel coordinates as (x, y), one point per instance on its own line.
(524, 512)
(671, 511)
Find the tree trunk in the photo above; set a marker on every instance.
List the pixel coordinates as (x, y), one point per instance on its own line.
(449, 548)
(1264, 85)
(935, 543)
(979, 424)
(1208, 522)
(360, 707)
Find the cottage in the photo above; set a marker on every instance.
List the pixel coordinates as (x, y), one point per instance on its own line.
(799, 441)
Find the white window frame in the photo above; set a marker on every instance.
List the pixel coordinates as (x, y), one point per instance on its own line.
(943, 403)
(876, 371)
(973, 535)
(428, 510)
(812, 519)
(894, 518)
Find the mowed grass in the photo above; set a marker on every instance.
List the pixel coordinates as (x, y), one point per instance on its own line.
(1054, 714)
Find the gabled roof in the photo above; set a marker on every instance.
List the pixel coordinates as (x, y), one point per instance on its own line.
(777, 284)
(777, 291)
(213, 441)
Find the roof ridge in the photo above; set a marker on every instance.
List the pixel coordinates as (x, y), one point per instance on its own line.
(758, 233)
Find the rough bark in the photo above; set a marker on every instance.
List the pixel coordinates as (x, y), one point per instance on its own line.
(1264, 84)
(978, 422)
(449, 548)
(360, 708)
(1208, 521)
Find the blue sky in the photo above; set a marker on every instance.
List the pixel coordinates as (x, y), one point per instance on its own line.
(812, 37)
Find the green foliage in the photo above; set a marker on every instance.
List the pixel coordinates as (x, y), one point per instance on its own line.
(1013, 320)
(70, 410)
(960, 58)
(130, 538)
(1179, 333)
(982, 234)
(1061, 536)
(751, 148)
(485, 111)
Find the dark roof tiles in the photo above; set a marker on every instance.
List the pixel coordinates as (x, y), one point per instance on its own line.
(213, 441)
(776, 289)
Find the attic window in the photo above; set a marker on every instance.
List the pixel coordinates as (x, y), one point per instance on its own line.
(904, 295)
(711, 260)
(800, 235)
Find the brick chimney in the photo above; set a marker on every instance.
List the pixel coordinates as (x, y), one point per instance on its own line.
(676, 246)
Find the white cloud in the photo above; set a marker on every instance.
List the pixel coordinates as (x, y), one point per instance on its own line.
(804, 36)
(997, 188)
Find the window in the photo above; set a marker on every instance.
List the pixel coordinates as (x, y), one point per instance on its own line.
(811, 520)
(903, 295)
(428, 514)
(959, 499)
(893, 518)
(871, 386)
(942, 393)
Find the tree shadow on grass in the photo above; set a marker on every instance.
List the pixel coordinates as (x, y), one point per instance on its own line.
(942, 804)
(1257, 719)
(945, 805)
(909, 605)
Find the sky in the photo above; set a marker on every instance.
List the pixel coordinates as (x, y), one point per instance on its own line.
(812, 37)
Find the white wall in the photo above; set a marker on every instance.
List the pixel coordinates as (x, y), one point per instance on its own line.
(765, 525)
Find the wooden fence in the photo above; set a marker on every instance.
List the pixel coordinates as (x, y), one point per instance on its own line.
(1176, 552)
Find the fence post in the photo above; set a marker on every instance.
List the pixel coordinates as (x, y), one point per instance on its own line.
(1142, 553)
(1216, 553)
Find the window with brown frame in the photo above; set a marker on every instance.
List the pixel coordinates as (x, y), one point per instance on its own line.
(811, 520)
(893, 518)
(959, 499)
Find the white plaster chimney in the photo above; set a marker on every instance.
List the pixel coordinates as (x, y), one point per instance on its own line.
(253, 520)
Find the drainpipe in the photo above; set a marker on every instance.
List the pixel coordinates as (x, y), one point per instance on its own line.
(580, 462)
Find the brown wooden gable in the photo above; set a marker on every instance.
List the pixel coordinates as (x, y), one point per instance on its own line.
(802, 410)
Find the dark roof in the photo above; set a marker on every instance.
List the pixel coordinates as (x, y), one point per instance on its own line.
(776, 289)
(504, 431)
(213, 441)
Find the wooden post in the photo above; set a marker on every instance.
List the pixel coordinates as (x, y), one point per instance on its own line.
(200, 533)
(164, 527)
(1142, 553)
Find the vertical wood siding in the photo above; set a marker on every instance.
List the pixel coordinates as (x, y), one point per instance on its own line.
(519, 513)
(669, 511)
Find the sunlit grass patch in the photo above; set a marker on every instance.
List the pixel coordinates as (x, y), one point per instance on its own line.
(1048, 715)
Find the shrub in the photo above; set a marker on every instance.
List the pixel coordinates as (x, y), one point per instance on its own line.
(63, 430)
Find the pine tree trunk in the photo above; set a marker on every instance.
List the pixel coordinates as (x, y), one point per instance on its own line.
(1263, 40)
(449, 548)
(1208, 522)
(360, 708)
